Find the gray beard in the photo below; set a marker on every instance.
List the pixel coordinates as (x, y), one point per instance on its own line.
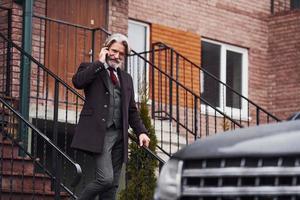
(114, 64)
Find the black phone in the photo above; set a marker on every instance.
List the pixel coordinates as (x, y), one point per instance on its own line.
(106, 58)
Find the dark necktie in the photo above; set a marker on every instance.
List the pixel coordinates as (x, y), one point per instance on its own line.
(113, 77)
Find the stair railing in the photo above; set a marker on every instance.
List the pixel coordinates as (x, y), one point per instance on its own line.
(233, 103)
(47, 108)
(10, 119)
(177, 107)
(91, 39)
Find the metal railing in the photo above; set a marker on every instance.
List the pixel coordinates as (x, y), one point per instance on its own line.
(45, 113)
(176, 109)
(30, 169)
(54, 109)
(233, 103)
(184, 115)
(85, 38)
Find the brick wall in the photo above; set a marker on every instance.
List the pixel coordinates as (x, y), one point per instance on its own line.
(243, 23)
(4, 18)
(38, 48)
(17, 38)
(118, 16)
(37, 42)
(284, 84)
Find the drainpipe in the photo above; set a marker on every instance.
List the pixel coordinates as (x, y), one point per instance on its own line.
(25, 68)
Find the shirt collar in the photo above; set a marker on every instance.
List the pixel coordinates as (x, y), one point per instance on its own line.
(107, 66)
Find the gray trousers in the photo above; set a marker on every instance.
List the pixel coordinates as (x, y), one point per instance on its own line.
(108, 168)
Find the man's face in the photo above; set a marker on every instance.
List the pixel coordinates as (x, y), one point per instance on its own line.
(116, 55)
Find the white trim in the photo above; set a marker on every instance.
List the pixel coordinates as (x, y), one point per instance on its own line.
(147, 45)
(234, 112)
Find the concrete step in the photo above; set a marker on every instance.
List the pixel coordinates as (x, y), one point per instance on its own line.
(168, 138)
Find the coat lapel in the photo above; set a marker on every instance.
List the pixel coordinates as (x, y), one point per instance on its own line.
(123, 83)
(105, 78)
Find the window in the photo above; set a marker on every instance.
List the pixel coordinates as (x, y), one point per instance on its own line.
(295, 4)
(138, 35)
(229, 64)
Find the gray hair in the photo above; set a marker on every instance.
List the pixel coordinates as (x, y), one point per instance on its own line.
(117, 37)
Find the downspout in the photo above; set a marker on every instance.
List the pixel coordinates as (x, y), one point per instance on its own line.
(25, 68)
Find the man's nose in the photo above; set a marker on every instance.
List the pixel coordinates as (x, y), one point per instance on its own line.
(117, 55)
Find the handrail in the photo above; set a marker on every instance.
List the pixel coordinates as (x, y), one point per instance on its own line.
(38, 163)
(70, 24)
(216, 79)
(135, 53)
(177, 121)
(42, 66)
(47, 70)
(76, 165)
(147, 149)
(187, 89)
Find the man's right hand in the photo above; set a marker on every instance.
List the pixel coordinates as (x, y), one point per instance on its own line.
(102, 54)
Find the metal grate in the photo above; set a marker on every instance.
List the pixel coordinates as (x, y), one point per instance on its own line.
(274, 178)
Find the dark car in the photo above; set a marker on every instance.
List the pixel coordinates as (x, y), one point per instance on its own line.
(257, 163)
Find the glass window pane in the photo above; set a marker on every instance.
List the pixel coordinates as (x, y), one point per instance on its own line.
(137, 36)
(211, 55)
(233, 78)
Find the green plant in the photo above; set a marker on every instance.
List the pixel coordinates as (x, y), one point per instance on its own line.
(141, 167)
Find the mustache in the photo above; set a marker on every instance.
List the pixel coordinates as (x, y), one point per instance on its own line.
(114, 62)
(114, 59)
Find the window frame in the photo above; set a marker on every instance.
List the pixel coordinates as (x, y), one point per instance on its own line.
(236, 113)
(147, 46)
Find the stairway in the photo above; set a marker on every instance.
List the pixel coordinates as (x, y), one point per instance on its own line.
(18, 177)
(169, 140)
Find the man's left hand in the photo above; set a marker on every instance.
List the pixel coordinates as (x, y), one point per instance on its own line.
(144, 140)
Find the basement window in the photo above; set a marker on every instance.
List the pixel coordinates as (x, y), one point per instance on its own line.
(229, 64)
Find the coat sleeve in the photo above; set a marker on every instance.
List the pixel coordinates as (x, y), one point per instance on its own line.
(135, 120)
(86, 73)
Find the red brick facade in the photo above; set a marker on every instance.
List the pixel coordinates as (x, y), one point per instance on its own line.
(284, 52)
(272, 77)
(118, 16)
(244, 23)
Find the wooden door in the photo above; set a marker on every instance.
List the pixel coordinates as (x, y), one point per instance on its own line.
(69, 44)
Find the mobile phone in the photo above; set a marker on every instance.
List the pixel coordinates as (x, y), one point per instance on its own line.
(106, 58)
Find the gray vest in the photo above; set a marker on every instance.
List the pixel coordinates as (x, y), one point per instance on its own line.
(115, 106)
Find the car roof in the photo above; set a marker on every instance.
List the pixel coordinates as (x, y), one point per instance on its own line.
(265, 140)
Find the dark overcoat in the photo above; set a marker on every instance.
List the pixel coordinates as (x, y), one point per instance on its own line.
(91, 128)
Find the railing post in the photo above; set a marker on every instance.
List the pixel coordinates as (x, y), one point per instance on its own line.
(171, 88)
(93, 44)
(153, 83)
(56, 160)
(25, 69)
(8, 54)
(196, 116)
(177, 95)
(257, 116)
